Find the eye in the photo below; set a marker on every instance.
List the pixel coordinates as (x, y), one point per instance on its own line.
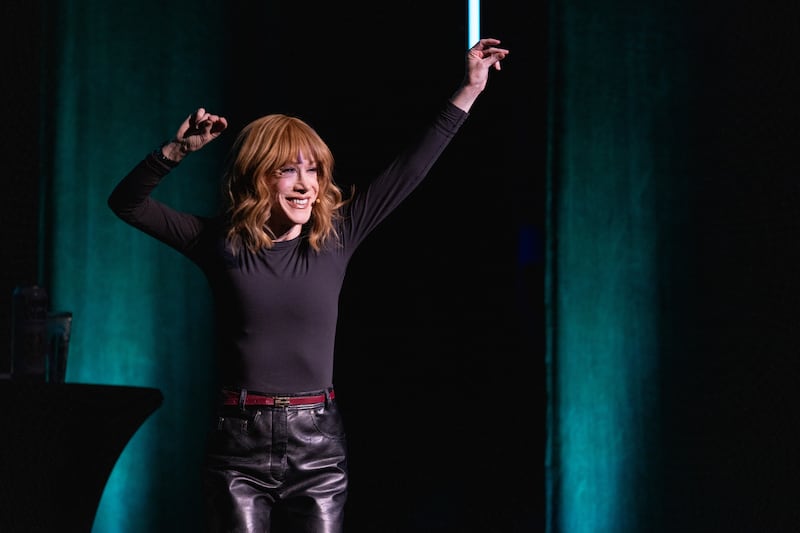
(286, 170)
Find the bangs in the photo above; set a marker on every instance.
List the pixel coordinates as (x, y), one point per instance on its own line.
(275, 140)
(299, 138)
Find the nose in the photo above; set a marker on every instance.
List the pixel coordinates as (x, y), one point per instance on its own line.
(303, 179)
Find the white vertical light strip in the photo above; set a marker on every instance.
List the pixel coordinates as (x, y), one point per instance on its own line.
(473, 22)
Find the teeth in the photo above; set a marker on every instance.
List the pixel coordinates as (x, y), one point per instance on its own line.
(300, 202)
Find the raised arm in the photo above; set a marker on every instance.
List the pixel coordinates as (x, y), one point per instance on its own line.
(131, 201)
(480, 59)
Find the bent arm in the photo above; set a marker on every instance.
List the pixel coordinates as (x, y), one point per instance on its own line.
(131, 201)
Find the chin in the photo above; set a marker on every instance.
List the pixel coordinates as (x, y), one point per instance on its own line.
(301, 221)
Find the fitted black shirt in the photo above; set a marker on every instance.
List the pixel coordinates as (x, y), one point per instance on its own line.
(276, 310)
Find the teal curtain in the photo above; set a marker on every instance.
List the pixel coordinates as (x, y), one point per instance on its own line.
(616, 213)
(119, 79)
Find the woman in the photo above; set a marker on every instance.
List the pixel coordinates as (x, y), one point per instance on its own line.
(275, 261)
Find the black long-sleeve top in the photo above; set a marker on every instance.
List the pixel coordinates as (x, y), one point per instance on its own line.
(276, 310)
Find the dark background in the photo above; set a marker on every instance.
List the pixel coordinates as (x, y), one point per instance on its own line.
(467, 287)
(460, 261)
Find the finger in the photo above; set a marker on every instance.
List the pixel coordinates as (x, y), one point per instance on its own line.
(219, 125)
(200, 117)
(499, 52)
(487, 42)
(499, 56)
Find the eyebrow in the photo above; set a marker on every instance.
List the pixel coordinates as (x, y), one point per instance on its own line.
(296, 162)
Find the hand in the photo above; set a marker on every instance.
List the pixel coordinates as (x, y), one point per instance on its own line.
(199, 129)
(480, 58)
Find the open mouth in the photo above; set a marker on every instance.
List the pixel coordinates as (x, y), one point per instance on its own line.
(299, 202)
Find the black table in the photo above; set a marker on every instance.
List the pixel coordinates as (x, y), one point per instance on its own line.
(58, 445)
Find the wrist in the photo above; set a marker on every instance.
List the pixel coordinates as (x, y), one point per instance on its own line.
(465, 96)
(171, 152)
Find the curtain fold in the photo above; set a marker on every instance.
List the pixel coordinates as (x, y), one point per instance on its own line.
(615, 217)
(119, 78)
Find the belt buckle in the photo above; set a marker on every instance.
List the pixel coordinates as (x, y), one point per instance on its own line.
(281, 401)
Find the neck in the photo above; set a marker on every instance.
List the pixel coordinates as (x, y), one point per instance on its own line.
(288, 233)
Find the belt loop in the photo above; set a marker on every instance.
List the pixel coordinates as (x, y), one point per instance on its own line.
(242, 398)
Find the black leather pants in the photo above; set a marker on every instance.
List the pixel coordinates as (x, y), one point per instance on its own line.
(276, 469)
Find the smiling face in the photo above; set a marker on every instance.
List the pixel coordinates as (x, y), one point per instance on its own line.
(295, 188)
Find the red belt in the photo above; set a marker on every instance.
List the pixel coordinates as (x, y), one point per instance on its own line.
(232, 398)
